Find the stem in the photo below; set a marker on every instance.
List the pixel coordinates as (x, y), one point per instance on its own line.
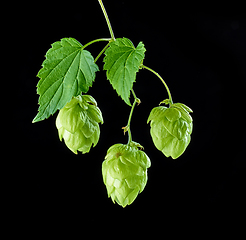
(97, 40)
(157, 74)
(134, 95)
(99, 55)
(107, 19)
(129, 122)
(127, 128)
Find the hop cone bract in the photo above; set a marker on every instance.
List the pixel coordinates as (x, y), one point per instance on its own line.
(171, 129)
(77, 123)
(125, 172)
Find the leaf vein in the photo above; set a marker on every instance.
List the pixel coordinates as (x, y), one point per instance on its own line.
(63, 59)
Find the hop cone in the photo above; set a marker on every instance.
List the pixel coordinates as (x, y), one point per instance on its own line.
(77, 123)
(171, 129)
(125, 172)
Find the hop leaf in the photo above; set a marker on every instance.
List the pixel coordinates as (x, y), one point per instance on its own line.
(171, 129)
(67, 71)
(122, 62)
(77, 123)
(125, 172)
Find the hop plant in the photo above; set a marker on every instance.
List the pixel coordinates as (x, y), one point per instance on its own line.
(69, 69)
(171, 129)
(125, 172)
(77, 123)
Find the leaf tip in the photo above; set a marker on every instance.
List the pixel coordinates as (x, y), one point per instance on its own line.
(35, 120)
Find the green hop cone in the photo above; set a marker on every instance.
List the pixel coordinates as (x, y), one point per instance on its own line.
(77, 123)
(171, 129)
(125, 172)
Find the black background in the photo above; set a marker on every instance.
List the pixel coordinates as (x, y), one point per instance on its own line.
(200, 53)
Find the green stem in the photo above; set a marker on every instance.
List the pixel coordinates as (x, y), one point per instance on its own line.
(134, 95)
(157, 74)
(97, 40)
(127, 128)
(104, 49)
(129, 122)
(107, 19)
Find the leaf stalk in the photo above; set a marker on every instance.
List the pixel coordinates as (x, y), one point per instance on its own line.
(97, 40)
(99, 55)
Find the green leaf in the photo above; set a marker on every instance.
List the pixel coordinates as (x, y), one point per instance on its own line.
(67, 71)
(122, 62)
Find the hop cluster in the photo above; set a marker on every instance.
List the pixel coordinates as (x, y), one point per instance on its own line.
(171, 129)
(77, 123)
(125, 172)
